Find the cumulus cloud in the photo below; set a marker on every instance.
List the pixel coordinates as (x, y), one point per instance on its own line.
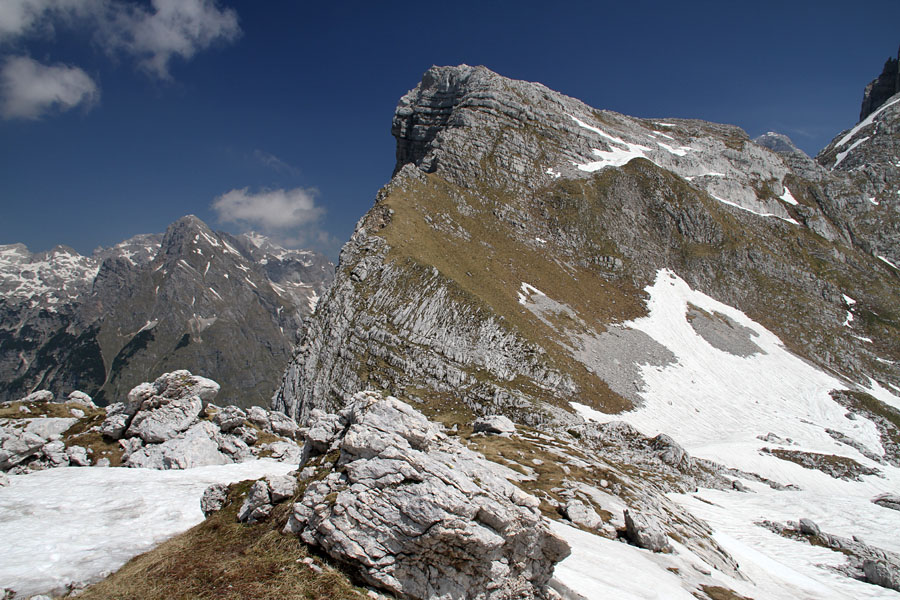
(270, 210)
(173, 28)
(152, 35)
(29, 89)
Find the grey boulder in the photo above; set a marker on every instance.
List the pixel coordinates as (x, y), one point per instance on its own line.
(496, 424)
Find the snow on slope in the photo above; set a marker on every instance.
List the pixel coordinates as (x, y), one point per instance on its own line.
(716, 403)
(78, 524)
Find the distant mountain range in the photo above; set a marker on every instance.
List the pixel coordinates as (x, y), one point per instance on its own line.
(224, 306)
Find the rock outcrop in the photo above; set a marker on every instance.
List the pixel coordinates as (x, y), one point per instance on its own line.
(880, 89)
(414, 512)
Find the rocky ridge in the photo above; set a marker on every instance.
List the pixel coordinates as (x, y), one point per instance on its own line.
(216, 303)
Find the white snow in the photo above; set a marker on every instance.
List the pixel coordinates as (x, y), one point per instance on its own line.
(603, 568)
(616, 157)
(750, 210)
(873, 201)
(850, 301)
(526, 289)
(885, 260)
(864, 123)
(665, 125)
(715, 404)
(788, 197)
(80, 523)
(679, 151)
(842, 155)
(552, 173)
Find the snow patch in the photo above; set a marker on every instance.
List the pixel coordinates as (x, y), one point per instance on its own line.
(885, 260)
(526, 289)
(84, 522)
(842, 155)
(750, 210)
(788, 197)
(864, 123)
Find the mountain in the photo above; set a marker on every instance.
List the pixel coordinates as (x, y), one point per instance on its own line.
(222, 305)
(682, 323)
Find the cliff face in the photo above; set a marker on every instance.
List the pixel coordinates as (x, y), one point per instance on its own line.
(882, 87)
(226, 306)
(504, 186)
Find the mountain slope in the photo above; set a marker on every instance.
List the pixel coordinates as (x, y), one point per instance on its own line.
(573, 268)
(226, 306)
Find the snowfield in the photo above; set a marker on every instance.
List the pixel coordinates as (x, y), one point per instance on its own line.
(716, 404)
(78, 524)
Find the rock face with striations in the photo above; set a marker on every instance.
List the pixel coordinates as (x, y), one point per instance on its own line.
(419, 515)
(226, 306)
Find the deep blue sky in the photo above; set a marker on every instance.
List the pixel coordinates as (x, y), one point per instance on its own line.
(302, 96)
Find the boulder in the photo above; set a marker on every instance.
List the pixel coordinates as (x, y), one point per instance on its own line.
(809, 527)
(496, 424)
(81, 398)
(882, 574)
(182, 384)
(197, 447)
(259, 417)
(16, 446)
(229, 418)
(287, 452)
(258, 504)
(166, 421)
(49, 428)
(78, 456)
(671, 453)
(581, 514)
(55, 453)
(418, 514)
(283, 425)
(39, 396)
(281, 487)
(116, 421)
(323, 430)
(214, 498)
(645, 532)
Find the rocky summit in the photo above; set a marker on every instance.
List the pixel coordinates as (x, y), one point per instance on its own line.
(225, 306)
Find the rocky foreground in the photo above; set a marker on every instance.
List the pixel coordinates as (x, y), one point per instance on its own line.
(170, 423)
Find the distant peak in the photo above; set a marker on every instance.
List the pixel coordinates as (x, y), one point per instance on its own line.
(882, 87)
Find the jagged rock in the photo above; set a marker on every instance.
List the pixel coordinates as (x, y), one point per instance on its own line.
(888, 500)
(281, 424)
(16, 446)
(196, 447)
(809, 527)
(247, 435)
(229, 418)
(78, 456)
(323, 430)
(419, 515)
(102, 462)
(880, 89)
(166, 421)
(644, 532)
(213, 498)
(259, 417)
(55, 452)
(116, 421)
(670, 452)
(581, 514)
(137, 395)
(257, 505)
(281, 487)
(81, 398)
(882, 574)
(182, 384)
(235, 447)
(497, 424)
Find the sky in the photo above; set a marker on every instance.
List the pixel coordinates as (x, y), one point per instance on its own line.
(117, 117)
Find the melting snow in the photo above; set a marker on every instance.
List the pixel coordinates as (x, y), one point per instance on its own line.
(788, 197)
(864, 123)
(842, 155)
(80, 523)
(885, 260)
(616, 157)
(750, 210)
(526, 289)
(552, 173)
(716, 403)
(679, 151)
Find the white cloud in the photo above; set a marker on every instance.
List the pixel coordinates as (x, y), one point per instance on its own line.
(173, 28)
(23, 17)
(270, 210)
(151, 35)
(29, 90)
